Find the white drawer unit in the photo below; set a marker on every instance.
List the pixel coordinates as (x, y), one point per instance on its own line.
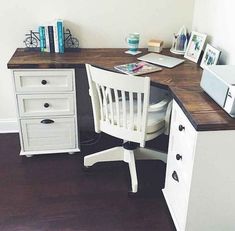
(47, 115)
(199, 185)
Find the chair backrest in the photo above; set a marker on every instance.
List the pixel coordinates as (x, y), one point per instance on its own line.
(120, 103)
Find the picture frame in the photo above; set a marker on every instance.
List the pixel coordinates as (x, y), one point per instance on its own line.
(210, 56)
(195, 46)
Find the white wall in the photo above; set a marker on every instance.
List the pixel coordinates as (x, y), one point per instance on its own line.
(216, 18)
(101, 23)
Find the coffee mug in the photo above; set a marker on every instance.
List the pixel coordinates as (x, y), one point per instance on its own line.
(133, 41)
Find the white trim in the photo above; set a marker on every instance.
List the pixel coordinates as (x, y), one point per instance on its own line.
(8, 126)
(31, 153)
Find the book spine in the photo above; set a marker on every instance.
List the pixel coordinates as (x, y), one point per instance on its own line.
(42, 38)
(60, 35)
(51, 39)
(47, 43)
(56, 41)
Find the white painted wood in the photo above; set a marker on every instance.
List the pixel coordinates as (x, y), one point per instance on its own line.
(203, 199)
(29, 156)
(45, 152)
(130, 159)
(30, 80)
(112, 154)
(57, 135)
(120, 106)
(128, 156)
(129, 113)
(34, 105)
(9, 126)
(212, 202)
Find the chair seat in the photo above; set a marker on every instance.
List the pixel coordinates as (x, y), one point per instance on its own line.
(155, 120)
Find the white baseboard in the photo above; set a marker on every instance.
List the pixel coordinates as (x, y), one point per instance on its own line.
(8, 126)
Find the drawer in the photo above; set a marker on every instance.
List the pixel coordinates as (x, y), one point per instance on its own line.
(44, 80)
(176, 196)
(46, 104)
(181, 126)
(48, 134)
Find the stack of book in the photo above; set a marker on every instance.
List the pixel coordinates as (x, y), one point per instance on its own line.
(52, 37)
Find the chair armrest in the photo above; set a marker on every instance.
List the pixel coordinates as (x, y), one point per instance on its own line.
(159, 106)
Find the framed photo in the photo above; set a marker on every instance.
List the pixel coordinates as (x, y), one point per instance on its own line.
(195, 46)
(210, 57)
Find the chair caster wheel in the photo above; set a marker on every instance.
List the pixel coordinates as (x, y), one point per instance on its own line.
(86, 168)
(132, 194)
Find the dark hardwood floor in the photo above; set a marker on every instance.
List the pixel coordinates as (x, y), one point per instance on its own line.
(52, 192)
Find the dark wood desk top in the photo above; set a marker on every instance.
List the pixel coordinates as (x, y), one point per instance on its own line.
(183, 80)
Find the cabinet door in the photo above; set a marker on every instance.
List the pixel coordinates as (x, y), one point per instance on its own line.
(48, 133)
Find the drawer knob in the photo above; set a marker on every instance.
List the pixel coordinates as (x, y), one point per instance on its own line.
(178, 157)
(43, 82)
(181, 128)
(175, 176)
(47, 121)
(46, 105)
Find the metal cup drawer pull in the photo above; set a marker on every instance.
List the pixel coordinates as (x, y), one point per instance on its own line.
(178, 157)
(43, 82)
(181, 128)
(175, 176)
(46, 105)
(47, 121)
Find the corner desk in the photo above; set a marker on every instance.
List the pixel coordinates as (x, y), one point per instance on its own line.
(200, 177)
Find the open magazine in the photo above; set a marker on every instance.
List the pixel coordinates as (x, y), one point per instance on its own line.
(138, 68)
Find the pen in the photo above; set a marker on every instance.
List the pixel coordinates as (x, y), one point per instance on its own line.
(138, 66)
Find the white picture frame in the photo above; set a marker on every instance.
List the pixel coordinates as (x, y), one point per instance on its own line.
(210, 56)
(195, 46)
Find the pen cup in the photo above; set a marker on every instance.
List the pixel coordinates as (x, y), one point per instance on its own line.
(132, 41)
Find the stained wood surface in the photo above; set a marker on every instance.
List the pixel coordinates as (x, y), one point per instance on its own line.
(183, 80)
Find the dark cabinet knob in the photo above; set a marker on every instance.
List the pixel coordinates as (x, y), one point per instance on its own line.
(46, 105)
(178, 157)
(175, 176)
(47, 121)
(181, 128)
(43, 82)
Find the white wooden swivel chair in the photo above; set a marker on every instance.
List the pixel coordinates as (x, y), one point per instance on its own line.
(121, 109)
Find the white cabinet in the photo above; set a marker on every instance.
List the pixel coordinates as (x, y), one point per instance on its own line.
(47, 116)
(200, 177)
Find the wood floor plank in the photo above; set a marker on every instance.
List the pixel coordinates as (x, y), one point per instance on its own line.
(52, 192)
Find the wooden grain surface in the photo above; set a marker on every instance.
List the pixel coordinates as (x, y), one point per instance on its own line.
(182, 81)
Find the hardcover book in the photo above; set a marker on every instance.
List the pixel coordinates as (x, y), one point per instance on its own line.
(60, 31)
(138, 68)
(47, 48)
(51, 39)
(42, 38)
(56, 39)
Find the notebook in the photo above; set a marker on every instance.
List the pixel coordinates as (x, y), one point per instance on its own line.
(162, 60)
(138, 68)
